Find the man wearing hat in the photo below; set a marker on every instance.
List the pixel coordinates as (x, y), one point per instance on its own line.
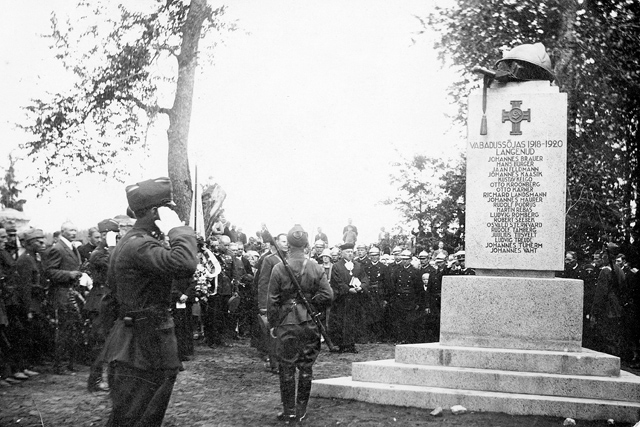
(98, 308)
(12, 239)
(462, 267)
(606, 310)
(405, 301)
(142, 346)
(349, 282)
(62, 267)
(361, 254)
(298, 337)
(378, 275)
(31, 286)
(316, 252)
(433, 296)
(397, 261)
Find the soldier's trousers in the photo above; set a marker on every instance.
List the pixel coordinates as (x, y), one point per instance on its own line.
(140, 397)
(67, 337)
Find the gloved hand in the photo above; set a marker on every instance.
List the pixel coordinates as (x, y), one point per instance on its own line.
(168, 220)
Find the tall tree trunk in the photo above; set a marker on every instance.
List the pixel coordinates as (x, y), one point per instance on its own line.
(180, 112)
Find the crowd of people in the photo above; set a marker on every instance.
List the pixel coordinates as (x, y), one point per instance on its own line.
(58, 305)
(611, 302)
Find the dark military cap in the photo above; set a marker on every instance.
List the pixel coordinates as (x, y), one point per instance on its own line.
(34, 233)
(347, 246)
(108, 225)
(150, 193)
(297, 237)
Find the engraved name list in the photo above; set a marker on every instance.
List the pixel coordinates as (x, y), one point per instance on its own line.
(515, 193)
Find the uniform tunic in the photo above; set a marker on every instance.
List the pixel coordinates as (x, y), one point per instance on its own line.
(142, 344)
(298, 336)
(405, 302)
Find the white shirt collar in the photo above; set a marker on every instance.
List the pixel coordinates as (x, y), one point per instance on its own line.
(65, 241)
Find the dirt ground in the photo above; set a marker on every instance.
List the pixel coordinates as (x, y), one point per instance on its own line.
(230, 387)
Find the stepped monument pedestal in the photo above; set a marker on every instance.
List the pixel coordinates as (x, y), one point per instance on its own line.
(510, 337)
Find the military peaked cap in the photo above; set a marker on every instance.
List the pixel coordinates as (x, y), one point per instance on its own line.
(108, 225)
(150, 193)
(34, 233)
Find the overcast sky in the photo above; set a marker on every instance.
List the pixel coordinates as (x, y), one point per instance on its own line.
(298, 120)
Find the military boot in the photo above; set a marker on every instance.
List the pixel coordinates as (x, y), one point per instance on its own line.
(287, 393)
(304, 390)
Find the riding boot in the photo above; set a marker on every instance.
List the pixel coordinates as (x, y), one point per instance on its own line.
(304, 389)
(287, 393)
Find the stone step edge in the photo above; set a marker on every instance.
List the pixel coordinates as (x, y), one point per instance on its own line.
(477, 401)
(493, 380)
(586, 352)
(349, 382)
(624, 375)
(587, 362)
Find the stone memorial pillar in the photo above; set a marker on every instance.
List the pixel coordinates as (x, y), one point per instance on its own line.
(515, 221)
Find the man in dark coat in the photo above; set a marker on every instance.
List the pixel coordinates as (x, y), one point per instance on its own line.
(94, 237)
(270, 260)
(142, 346)
(405, 302)
(31, 286)
(298, 337)
(433, 297)
(62, 267)
(378, 275)
(606, 310)
(349, 282)
(100, 319)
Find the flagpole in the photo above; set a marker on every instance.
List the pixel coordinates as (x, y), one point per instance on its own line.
(195, 205)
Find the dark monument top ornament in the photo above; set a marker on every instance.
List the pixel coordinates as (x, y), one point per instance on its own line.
(522, 63)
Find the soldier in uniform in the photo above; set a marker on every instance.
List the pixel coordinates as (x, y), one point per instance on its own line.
(142, 346)
(424, 259)
(433, 297)
(397, 261)
(361, 254)
(462, 269)
(31, 291)
(298, 338)
(100, 322)
(405, 301)
(378, 275)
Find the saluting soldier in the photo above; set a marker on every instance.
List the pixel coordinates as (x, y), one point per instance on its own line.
(142, 346)
(298, 337)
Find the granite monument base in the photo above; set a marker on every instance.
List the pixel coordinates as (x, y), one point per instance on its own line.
(507, 345)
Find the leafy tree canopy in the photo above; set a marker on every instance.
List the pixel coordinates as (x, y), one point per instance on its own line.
(116, 52)
(431, 194)
(9, 191)
(594, 46)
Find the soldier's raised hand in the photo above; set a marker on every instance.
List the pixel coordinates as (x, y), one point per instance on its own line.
(168, 219)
